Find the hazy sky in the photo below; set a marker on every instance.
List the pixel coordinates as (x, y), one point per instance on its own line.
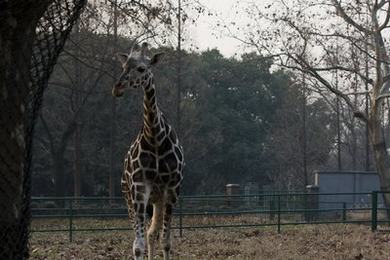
(202, 33)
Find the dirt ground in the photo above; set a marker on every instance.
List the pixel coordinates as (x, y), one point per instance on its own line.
(299, 242)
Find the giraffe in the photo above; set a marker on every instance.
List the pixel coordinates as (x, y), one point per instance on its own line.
(154, 163)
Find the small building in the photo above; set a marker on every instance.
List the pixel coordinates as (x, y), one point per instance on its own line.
(346, 182)
(230, 191)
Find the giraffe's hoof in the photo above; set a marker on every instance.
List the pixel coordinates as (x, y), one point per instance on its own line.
(167, 248)
(137, 252)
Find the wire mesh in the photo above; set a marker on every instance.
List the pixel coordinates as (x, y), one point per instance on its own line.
(21, 102)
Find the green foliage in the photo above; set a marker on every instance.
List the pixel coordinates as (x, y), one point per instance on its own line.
(286, 141)
(235, 104)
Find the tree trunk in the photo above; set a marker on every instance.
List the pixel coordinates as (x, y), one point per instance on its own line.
(381, 156)
(354, 147)
(76, 107)
(57, 152)
(111, 177)
(17, 32)
(77, 163)
(59, 174)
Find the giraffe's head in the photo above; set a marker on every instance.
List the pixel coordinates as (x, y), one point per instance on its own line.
(136, 69)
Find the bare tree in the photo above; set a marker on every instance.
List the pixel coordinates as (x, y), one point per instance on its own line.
(290, 30)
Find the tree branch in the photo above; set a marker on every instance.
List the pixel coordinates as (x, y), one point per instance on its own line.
(349, 20)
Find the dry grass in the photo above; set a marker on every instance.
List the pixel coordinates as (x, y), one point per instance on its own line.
(364, 215)
(300, 242)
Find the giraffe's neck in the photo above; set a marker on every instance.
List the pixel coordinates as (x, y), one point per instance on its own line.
(152, 120)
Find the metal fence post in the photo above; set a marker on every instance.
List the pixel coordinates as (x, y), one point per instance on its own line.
(70, 219)
(344, 211)
(278, 213)
(306, 207)
(374, 210)
(272, 208)
(181, 216)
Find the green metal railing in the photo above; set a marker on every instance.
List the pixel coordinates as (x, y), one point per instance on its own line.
(220, 211)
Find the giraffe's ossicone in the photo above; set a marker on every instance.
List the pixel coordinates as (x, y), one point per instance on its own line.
(154, 164)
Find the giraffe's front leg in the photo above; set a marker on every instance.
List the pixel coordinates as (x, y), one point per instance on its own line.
(141, 195)
(166, 231)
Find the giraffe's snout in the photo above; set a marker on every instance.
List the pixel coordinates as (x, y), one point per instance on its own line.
(118, 89)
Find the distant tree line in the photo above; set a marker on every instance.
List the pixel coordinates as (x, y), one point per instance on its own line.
(240, 122)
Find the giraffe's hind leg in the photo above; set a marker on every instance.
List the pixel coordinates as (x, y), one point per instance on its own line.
(140, 197)
(166, 230)
(127, 195)
(155, 226)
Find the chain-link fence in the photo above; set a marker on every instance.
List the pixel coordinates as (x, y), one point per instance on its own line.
(32, 35)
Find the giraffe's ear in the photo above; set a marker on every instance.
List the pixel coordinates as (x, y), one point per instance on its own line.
(156, 58)
(122, 57)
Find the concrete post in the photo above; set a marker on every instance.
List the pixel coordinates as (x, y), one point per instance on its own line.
(312, 202)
